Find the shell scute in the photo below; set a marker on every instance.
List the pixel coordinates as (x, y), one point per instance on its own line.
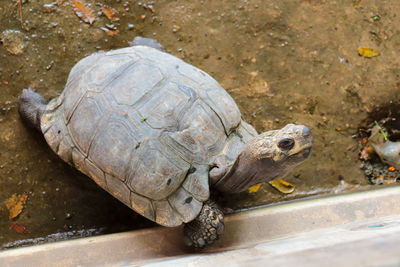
(166, 215)
(200, 134)
(106, 70)
(137, 81)
(156, 171)
(143, 206)
(112, 146)
(166, 108)
(86, 119)
(118, 189)
(185, 204)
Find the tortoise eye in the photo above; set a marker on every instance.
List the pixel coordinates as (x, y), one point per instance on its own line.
(286, 144)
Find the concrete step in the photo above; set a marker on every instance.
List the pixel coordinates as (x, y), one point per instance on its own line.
(373, 242)
(358, 229)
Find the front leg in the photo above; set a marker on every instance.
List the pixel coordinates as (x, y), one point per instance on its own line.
(207, 227)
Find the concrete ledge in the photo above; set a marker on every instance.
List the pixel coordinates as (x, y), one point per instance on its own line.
(372, 242)
(244, 230)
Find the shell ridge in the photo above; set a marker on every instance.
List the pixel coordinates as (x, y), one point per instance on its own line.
(218, 116)
(173, 206)
(76, 106)
(154, 212)
(120, 72)
(96, 132)
(190, 103)
(173, 149)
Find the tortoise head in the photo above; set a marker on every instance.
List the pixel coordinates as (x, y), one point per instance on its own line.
(268, 156)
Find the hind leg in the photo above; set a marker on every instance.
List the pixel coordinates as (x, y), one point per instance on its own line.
(31, 106)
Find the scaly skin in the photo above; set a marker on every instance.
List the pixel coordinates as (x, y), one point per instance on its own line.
(206, 228)
(31, 107)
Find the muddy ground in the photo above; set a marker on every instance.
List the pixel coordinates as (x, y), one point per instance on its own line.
(290, 61)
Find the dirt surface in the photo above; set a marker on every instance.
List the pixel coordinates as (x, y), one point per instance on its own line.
(290, 61)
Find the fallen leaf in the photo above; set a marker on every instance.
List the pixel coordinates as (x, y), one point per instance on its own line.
(110, 32)
(254, 188)
(365, 141)
(110, 13)
(367, 52)
(364, 155)
(83, 11)
(391, 168)
(391, 181)
(282, 186)
(5, 82)
(18, 228)
(15, 204)
(111, 27)
(175, 28)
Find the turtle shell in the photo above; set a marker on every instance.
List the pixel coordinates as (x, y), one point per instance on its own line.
(143, 125)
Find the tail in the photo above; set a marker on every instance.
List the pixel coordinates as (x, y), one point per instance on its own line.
(31, 106)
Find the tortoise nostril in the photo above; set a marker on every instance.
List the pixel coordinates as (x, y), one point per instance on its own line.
(306, 132)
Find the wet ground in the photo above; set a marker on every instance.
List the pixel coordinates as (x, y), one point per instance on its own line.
(282, 61)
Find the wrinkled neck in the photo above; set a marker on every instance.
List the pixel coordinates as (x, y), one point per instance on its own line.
(244, 173)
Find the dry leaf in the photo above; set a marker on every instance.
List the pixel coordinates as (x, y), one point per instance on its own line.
(367, 52)
(254, 188)
(110, 32)
(364, 154)
(110, 13)
(282, 186)
(15, 204)
(175, 28)
(18, 228)
(83, 11)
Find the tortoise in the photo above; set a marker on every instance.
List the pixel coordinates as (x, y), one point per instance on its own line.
(157, 133)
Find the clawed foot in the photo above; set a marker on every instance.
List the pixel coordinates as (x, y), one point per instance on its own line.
(206, 228)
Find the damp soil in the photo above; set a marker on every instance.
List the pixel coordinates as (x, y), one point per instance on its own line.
(283, 61)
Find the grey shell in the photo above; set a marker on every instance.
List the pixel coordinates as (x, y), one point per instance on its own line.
(143, 125)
